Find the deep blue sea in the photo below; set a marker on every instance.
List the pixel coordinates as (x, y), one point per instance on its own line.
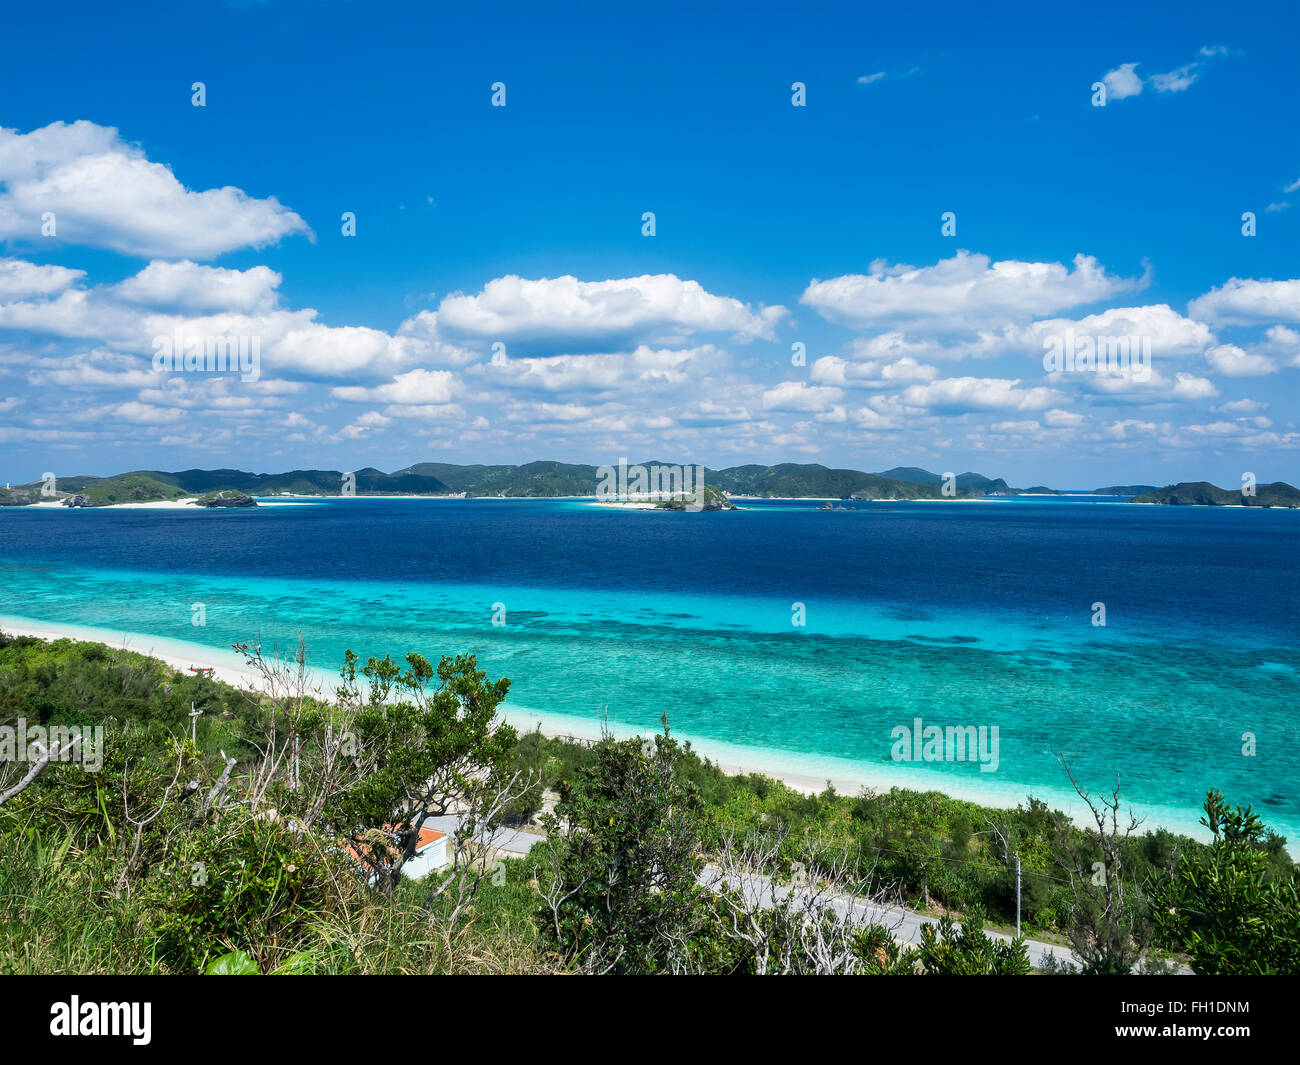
(959, 613)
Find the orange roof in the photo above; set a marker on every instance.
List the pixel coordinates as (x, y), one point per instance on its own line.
(427, 836)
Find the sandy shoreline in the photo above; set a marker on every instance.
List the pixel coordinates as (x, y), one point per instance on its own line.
(591, 501)
(157, 504)
(804, 773)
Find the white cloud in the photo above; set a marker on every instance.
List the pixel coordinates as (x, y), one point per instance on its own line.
(1062, 419)
(1189, 386)
(963, 394)
(874, 420)
(1128, 387)
(1232, 361)
(965, 292)
(19, 279)
(1244, 301)
(94, 371)
(1122, 82)
(105, 193)
(800, 396)
(1170, 334)
(1283, 343)
(144, 414)
(573, 313)
(882, 75)
(1176, 80)
(1120, 430)
(189, 287)
(436, 387)
(843, 373)
(1241, 406)
(706, 413)
(643, 370)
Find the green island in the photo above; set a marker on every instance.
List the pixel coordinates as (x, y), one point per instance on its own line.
(552, 480)
(1204, 494)
(267, 830)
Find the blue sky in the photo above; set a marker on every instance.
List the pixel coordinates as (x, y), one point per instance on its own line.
(774, 225)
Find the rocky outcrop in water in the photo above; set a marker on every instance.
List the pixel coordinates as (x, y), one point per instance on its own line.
(226, 499)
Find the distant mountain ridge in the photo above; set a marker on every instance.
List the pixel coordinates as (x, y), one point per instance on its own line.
(549, 479)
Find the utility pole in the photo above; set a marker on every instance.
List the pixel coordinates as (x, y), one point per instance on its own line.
(194, 717)
(1017, 896)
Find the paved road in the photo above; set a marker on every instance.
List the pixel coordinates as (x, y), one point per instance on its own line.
(904, 924)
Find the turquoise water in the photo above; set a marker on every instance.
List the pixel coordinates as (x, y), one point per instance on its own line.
(960, 614)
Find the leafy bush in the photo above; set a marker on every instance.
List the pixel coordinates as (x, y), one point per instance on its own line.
(244, 885)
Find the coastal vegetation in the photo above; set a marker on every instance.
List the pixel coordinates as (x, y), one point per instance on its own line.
(267, 830)
(93, 491)
(126, 488)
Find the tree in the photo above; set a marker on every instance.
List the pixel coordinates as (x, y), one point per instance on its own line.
(621, 893)
(422, 750)
(1225, 907)
(969, 951)
(815, 914)
(1108, 929)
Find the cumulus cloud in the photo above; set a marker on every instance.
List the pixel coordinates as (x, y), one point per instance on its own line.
(959, 395)
(1063, 419)
(1246, 301)
(1170, 333)
(19, 279)
(801, 396)
(105, 193)
(843, 373)
(642, 370)
(434, 387)
(571, 314)
(187, 286)
(144, 414)
(1122, 82)
(94, 371)
(1232, 361)
(200, 301)
(1282, 343)
(1242, 406)
(968, 291)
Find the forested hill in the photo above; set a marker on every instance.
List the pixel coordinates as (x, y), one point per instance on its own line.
(533, 479)
(786, 480)
(1204, 494)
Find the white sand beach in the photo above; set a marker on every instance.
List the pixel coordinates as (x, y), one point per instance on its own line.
(165, 504)
(805, 773)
